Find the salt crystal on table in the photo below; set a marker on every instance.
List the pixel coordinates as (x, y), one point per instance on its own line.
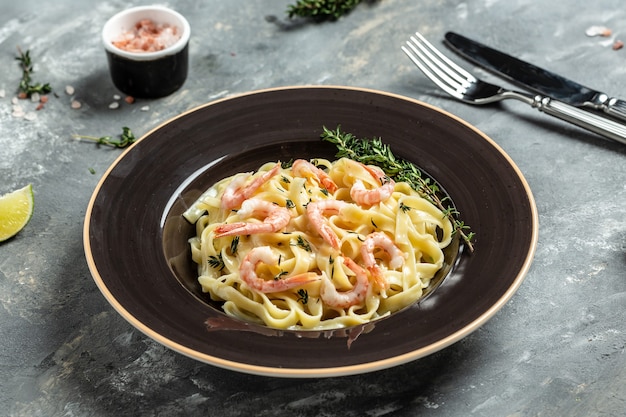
(17, 111)
(76, 104)
(30, 116)
(116, 97)
(34, 97)
(2, 93)
(145, 108)
(114, 105)
(598, 31)
(69, 90)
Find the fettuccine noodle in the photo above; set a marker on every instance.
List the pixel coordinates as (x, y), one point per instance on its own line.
(316, 246)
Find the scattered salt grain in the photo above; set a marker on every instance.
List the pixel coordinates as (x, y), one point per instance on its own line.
(76, 104)
(18, 111)
(30, 116)
(145, 108)
(2, 93)
(14, 100)
(69, 90)
(598, 31)
(35, 97)
(114, 105)
(116, 97)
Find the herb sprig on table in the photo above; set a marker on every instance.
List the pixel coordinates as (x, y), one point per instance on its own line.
(126, 138)
(26, 87)
(322, 9)
(375, 152)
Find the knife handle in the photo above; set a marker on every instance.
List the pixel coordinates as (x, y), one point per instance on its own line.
(616, 108)
(587, 120)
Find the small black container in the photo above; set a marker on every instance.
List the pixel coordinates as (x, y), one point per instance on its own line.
(147, 74)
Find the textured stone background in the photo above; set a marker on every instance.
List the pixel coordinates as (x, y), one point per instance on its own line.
(557, 348)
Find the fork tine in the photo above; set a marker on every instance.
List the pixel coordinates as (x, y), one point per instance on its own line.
(431, 71)
(467, 77)
(439, 67)
(443, 84)
(441, 70)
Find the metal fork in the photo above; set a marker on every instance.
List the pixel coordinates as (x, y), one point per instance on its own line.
(462, 85)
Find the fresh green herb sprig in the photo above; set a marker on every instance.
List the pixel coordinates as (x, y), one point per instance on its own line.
(234, 245)
(216, 262)
(302, 243)
(375, 152)
(26, 88)
(125, 138)
(321, 9)
(303, 296)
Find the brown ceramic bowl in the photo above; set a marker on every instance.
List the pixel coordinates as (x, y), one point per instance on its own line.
(136, 241)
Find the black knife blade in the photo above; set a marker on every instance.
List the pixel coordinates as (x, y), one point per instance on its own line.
(535, 78)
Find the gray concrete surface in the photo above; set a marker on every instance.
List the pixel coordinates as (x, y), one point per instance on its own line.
(556, 349)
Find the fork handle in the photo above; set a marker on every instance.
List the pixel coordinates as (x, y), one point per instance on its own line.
(596, 123)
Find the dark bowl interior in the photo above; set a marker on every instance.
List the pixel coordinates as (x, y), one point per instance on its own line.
(177, 231)
(136, 241)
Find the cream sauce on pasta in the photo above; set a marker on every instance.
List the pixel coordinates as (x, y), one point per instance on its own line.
(318, 284)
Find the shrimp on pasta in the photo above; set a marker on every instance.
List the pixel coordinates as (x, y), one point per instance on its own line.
(317, 245)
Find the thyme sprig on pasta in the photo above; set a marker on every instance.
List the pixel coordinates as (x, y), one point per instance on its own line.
(375, 152)
(216, 262)
(303, 296)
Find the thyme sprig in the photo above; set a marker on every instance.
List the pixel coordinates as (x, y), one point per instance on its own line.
(321, 9)
(125, 138)
(375, 152)
(302, 243)
(303, 296)
(216, 262)
(26, 88)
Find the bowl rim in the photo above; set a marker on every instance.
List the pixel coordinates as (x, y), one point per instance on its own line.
(108, 33)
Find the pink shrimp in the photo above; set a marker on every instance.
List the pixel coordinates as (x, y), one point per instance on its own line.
(363, 196)
(275, 218)
(315, 212)
(263, 254)
(396, 256)
(345, 299)
(237, 192)
(305, 169)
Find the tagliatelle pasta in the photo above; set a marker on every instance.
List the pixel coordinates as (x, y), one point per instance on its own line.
(317, 246)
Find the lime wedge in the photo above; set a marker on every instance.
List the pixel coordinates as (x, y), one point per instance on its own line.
(16, 209)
